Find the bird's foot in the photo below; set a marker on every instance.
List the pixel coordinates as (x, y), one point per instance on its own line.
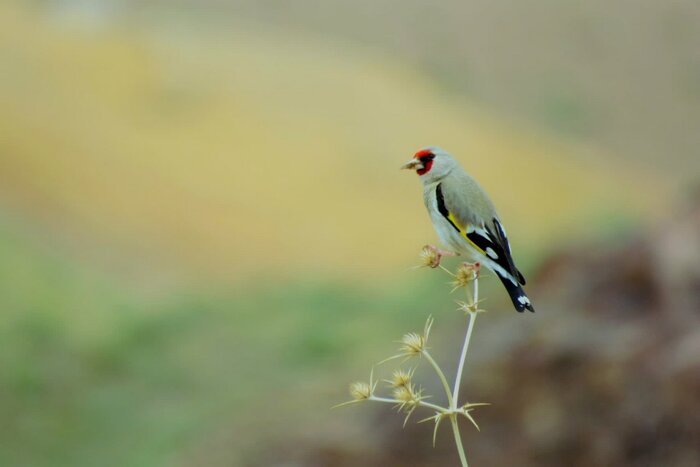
(433, 255)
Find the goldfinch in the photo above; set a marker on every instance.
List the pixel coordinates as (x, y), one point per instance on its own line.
(465, 218)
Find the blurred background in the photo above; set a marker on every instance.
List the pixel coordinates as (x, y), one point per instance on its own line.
(204, 234)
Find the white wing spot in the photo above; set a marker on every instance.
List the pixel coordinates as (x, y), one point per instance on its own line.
(524, 300)
(483, 232)
(492, 254)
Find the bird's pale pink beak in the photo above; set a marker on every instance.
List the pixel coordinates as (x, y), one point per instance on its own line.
(413, 164)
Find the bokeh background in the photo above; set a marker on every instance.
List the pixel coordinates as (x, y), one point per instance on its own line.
(204, 236)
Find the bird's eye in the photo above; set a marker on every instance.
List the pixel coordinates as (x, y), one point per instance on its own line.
(427, 158)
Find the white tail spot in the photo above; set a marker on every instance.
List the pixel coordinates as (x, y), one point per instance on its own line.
(524, 300)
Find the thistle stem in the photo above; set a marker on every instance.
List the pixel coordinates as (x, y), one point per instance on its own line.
(441, 375)
(474, 298)
(458, 441)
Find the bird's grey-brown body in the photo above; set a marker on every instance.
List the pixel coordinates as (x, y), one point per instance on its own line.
(465, 198)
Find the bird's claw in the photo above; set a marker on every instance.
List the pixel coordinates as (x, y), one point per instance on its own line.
(437, 255)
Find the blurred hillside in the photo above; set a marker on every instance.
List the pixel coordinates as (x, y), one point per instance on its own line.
(623, 74)
(218, 148)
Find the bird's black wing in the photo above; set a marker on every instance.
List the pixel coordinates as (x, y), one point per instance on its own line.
(489, 239)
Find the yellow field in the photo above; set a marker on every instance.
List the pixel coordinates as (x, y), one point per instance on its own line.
(235, 151)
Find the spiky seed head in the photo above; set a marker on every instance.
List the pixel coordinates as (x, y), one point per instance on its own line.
(408, 396)
(467, 308)
(360, 391)
(401, 378)
(429, 257)
(466, 273)
(404, 394)
(408, 399)
(412, 344)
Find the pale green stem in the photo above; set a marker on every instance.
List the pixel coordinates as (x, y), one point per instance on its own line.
(474, 298)
(453, 418)
(470, 297)
(458, 441)
(441, 375)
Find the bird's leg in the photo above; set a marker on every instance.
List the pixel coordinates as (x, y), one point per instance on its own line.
(438, 254)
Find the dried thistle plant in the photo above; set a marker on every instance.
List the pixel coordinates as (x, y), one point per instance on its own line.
(405, 394)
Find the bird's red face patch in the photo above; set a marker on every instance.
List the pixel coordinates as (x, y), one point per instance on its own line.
(426, 157)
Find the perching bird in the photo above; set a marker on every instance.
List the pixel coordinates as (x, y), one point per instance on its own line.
(465, 218)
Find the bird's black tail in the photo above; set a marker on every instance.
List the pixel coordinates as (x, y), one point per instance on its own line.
(517, 294)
